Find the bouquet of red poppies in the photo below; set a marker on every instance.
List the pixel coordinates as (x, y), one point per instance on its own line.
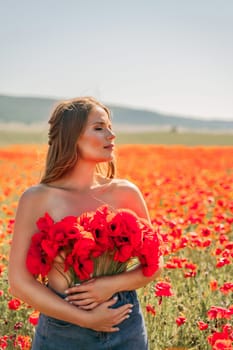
(103, 242)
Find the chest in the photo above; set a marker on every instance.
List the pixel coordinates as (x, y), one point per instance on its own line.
(61, 203)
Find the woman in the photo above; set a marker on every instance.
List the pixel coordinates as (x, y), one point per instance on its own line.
(102, 313)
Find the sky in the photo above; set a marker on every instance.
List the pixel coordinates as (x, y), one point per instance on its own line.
(171, 56)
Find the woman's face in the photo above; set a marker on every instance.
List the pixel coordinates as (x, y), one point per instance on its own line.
(96, 143)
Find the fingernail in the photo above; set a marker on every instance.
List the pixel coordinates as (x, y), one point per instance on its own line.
(77, 284)
(115, 298)
(127, 316)
(131, 305)
(66, 291)
(130, 311)
(66, 299)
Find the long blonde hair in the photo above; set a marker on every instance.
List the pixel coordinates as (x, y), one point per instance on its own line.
(67, 122)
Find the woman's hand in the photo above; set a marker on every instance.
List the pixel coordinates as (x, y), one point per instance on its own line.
(104, 319)
(91, 293)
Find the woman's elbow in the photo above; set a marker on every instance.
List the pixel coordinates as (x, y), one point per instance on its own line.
(18, 283)
(15, 285)
(14, 290)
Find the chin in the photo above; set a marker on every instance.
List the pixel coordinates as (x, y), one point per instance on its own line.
(105, 159)
(109, 159)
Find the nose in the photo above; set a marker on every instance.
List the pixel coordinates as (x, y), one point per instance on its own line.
(111, 134)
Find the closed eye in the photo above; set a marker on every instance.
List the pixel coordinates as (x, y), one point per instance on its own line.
(98, 128)
(101, 126)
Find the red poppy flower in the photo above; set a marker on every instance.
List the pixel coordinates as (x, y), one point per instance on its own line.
(150, 309)
(223, 344)
(206, 243)
(62, 235)
(163, 289)
(190, 266)
(222, 340)
(213, 285)
(2, 268)
(18, 325)
(180, 320)
(222, 262)
(14, 304)
(33, 318)
(226, 288)
(44, 223)
(3, 343)
(219, 312)
(22, 342)
(205, 232)
(37, 261)
(190, 274)
(126, 234)
(150, 251)
(149, 256)
(202, 325)
(80, 257)
(98, 225)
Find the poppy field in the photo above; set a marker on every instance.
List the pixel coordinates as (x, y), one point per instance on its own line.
(189, 193)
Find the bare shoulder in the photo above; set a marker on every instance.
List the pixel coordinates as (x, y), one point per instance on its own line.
(125, 187)
(32, 202)
(117, 184)
(123, 183)
(129, 196)
(33, 193)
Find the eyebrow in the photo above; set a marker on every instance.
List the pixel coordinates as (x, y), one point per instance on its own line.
(101, 123)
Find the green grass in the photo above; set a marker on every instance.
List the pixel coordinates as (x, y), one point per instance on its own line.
(169, 138)
(21, 137)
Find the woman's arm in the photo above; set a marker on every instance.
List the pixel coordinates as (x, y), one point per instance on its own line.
(24, 286)
(90, 294)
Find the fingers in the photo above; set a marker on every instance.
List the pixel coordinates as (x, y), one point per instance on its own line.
(111, 301)
(84, 302)
(118, 319)
(120, 313)
(89, 307)
(80, 287)
(77, 297)
(122, 319)
(108, 318)
(76, 289)
(124, 311)
(89, 281)
(113, 329)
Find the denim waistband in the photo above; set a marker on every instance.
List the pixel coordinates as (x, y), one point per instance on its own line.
(62, 295)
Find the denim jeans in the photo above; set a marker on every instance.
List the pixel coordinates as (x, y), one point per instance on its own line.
(53, 334)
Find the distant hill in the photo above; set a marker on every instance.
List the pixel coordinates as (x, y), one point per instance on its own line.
(30, 110)
(27, 110)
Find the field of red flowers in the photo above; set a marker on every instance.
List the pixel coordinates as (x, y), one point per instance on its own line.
(189, 193)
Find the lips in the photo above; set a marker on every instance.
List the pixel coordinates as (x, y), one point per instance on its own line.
(109, 146)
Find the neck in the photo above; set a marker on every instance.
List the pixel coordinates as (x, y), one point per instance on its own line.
(82, 178)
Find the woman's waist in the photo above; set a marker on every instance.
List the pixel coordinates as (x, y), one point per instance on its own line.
(60, 280)
(122, 298)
